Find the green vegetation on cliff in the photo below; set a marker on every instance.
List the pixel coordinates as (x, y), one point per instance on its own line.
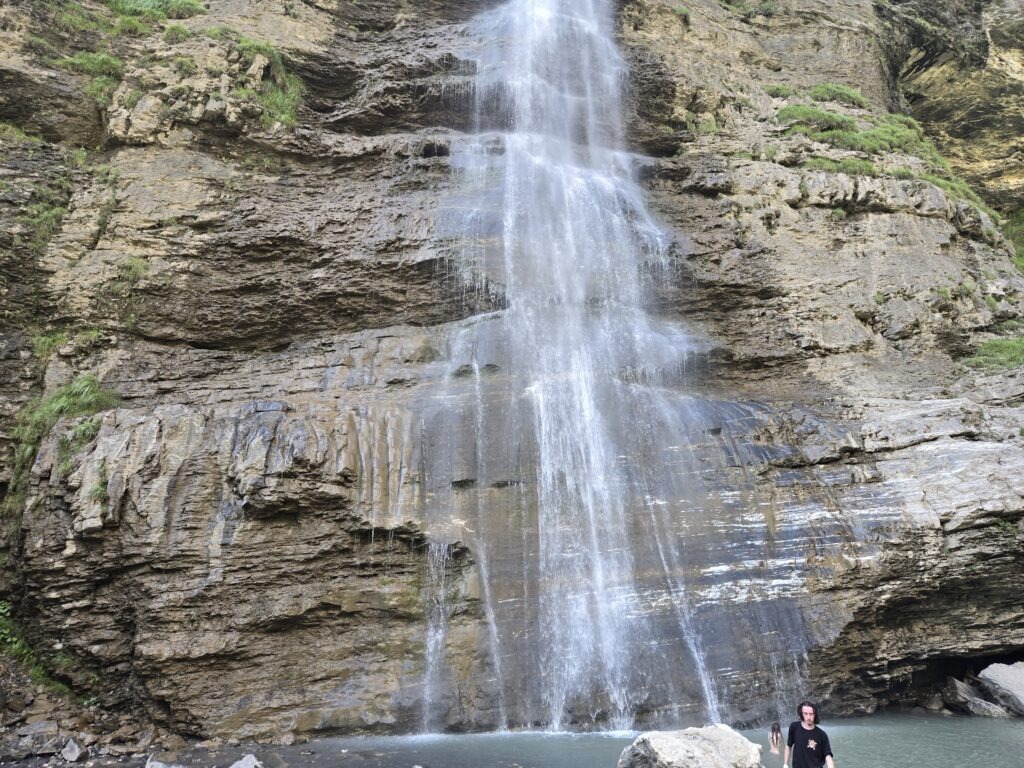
(83, 396)
(892, 133)
(1014, 231)
(97, 31)
(176, 33)
(815, 122)
(42, 217)
(849, 165)
(748, 11)
(14, 646)
(15, 134)
(281, 95)
(889, 133)
(779, 91)
(842, 94)
(157, 9)
(998, 353)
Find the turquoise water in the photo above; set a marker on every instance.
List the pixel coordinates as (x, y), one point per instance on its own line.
(883, 741)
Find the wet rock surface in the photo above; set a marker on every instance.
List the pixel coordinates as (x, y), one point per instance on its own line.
(241, 549)
(1004, 683)
(716, 746)
(967, 698)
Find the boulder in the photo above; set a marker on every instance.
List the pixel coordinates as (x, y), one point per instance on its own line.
(715, 746)
(152, 762)
(1004, 683)
(249, 761)
(73, 751)
(960, 695)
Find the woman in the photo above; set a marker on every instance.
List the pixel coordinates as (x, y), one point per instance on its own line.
(775, 738)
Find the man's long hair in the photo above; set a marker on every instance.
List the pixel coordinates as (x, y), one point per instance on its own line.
(800, 711)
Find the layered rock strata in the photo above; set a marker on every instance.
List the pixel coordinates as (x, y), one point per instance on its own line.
(244, 548)
(961, 68)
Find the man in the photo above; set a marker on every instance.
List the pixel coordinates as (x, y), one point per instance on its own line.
(808, 744)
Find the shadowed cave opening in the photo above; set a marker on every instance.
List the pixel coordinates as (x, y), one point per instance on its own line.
(929, 681)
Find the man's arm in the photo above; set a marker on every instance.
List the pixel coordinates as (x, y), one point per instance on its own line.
(829, 761)
(785, 760)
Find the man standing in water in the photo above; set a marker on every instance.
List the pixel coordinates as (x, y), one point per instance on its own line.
(807, 743)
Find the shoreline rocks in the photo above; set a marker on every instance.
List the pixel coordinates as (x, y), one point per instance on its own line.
(998, 691)
(715, 746)
(1005, 684)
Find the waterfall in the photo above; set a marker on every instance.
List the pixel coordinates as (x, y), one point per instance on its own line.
(438, 559)
(573, 413)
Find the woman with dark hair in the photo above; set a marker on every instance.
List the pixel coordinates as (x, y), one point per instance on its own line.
(807, 743)
(775, 738)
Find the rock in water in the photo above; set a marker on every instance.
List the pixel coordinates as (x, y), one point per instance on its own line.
(716, 746)
(962, 696)
(1005, 684)
(152, 762)
(249, 761)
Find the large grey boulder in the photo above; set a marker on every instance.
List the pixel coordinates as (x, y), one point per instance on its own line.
(73, 752)
(960, 695)
(152, 762)
(715, 746)
(1005, 684)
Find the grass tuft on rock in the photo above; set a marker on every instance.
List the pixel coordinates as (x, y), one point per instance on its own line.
(998, 354)
(131, 26)
(281, 95)
(73, 18)
(813, 121)
(45, 344)
(14, 646)
(220, 33)
(1014, 231)
(889, 133)
(250, 48)
(185, 65)
(176, 33)
(101, 90)
(98, 492)
(15, 134)
(157, 10)
(849, 165)
(183, 9)
(96, 64)
(42, 218)
(281, 102)
(958, 188)
(83, 396)
(841, 94)
(779, 91)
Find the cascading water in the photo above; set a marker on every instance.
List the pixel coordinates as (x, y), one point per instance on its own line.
(582, 479)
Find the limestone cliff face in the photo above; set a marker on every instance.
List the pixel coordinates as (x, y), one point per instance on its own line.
(241, 546)
(961, 67)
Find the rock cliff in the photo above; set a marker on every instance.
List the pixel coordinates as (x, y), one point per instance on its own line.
(251, 251)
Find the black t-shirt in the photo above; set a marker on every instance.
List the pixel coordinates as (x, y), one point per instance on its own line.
(809, 746)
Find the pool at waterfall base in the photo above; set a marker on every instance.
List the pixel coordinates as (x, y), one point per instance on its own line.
(876, 741)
